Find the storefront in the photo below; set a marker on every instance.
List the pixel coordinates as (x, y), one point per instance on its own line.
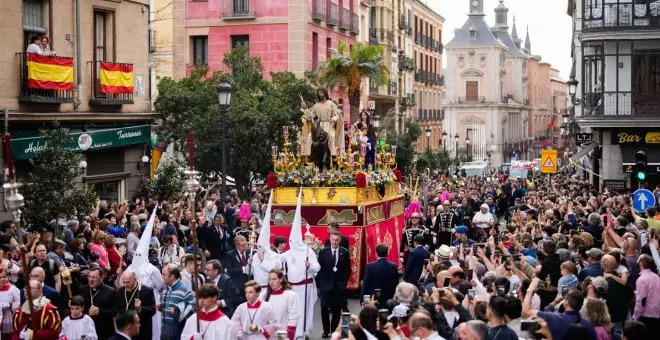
(620, 160)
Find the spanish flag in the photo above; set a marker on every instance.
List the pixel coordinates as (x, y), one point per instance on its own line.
(116, 78)
(49, 72)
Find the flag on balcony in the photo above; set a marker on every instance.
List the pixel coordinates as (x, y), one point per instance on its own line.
(116, 78)
(49, 72)
(551, 124)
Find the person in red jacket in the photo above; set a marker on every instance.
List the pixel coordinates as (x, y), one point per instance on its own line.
(49, 323)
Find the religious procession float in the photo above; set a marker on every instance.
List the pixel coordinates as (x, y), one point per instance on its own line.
(354, 183)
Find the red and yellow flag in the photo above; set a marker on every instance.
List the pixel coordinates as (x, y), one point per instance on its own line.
(116, 78)
(49, 72)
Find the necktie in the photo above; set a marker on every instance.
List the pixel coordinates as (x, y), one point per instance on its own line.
(219, 230)
(242, 259)
(334, 258)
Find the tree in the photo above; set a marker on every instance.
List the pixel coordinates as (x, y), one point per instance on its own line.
(362, 61)
(433, 160)
(168, 182)
(259, 108)
(51, 185)
(405, 145)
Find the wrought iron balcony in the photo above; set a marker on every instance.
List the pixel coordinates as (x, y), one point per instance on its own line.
(319, 8)
(345, 23)
(418, 38)
(355, 24)
(103, 94)
(333, 18)
(373, 88)
(620, 105)
(239, 9)
(392, 88)
(602, 16)
(471, 99)
(381, 36)
(33, 92)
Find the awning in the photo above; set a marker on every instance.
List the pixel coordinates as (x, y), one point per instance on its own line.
(586, 149)
(26, 148)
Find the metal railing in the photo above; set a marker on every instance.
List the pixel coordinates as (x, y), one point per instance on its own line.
(319, 8)
(30, 94)
(345, 23)
(355, 24)
(373, 88)
(621, 104)
(392, 88)
(100, 97)
(624, 14)
(333, 18)
(418, 38)
(381, 36)
(239, 9)
(471, 99)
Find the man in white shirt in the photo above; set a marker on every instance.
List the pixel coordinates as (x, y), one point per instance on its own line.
(483, 220)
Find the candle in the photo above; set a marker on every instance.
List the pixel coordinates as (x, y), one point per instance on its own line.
(338, 151)
(350, 159)
(8, 160)
(191, 149)
(363, 150)
(273, 151)
(393, 150)
(285, 131)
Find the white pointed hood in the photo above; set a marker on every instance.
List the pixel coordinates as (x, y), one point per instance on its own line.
(140, 265)
(264, 233)
(295, 237)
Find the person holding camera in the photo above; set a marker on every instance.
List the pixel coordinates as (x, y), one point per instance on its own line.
(380, 278)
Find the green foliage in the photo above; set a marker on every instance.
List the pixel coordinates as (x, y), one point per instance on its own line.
(405, 145)
(51, 185)
(168, 182)
(259, 109)
(434, 160)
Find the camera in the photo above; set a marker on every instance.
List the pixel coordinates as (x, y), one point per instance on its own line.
(529, 326)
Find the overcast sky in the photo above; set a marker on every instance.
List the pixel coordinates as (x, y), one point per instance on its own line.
(549, 26)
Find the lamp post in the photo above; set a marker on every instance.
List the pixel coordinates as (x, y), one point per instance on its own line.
(444, 140)
(467, 149)
(224, 99)
(456, 142)
(14, 201)
(572, 87)
(428, 139)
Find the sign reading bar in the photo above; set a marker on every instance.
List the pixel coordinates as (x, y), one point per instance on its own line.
(615, 184)
(635, 137)
(26, 148)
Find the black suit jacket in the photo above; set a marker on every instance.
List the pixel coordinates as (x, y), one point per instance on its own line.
(415, 265)
(328, 280)
(235, 268)
(118, 336)
(230, 293)
(104, 300)
(210, 240)
(380, 274)
(147, 310)
(342, 243)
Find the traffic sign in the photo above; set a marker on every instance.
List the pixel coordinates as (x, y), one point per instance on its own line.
(549, 161)
(642, 199)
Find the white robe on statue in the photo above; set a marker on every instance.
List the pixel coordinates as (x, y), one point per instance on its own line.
(286, 307)
(297, 276)
(212, 325)
(261, 314)
(74, 329)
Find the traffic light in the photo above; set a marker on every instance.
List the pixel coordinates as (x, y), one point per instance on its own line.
(640, 165)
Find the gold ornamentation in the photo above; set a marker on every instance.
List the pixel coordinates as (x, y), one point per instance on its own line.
(345, 217)
(375, 214)
(283, 218)
(253, 328)
(331, 193)
(356, 259)
(396, 209)
(387, 240)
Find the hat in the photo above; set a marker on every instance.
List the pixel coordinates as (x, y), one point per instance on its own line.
(484, 206)
(415, 215)
(444, 251)
(570, 281)
(461, 229)
(595, 253)
(600, 284)
(399, 311)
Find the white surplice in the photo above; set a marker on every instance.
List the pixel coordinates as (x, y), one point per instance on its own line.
(297, 273)
(286, 307)
(74, 329)
(260, 314)
(212, 325)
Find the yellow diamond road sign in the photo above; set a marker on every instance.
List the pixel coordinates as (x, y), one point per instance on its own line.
(549, 161)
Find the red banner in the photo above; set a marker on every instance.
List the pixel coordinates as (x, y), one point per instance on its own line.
(386, 232)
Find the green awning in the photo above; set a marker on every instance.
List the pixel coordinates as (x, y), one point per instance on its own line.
(26, 148)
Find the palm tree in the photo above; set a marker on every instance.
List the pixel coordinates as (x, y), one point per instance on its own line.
(362, 61)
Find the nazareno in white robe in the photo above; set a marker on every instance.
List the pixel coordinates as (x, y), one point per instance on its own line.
(297, 274)
(263, 316)
(212, 325)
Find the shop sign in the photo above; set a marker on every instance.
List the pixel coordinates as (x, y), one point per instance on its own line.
(635, 137)
(614, 184)
(26, 148)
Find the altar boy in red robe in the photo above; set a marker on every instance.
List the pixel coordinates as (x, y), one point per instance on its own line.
(49, 323)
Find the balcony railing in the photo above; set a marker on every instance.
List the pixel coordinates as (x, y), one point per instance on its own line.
(418, 38)
(104, 94)
(34, 93)
(334, 14)
(471, 99)
(598, 15)
(373, 88)
(409, 31)
(319, 7)
(239, 9)
(345, 23)
(392, 88)
(355, 24)
(381, 36)
(621, 104)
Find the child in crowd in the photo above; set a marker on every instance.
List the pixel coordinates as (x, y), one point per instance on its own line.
(79, 325)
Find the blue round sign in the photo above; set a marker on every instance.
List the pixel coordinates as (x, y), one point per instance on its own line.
(643, 199)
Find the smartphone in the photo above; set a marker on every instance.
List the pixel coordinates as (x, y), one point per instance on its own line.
(542, 285)
(345, 323)
(529, 326)
(365, 299)
(469, 274)
(501, 291)
(446, 282)
(506, 258)
(377, 294)
(470, 294)
(498, 253)
(605, 220)
(281, 335)
(382, 317)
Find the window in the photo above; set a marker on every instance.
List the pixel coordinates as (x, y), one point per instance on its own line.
(240, 40)
(33, 17)
(99, 36)
(471, 91)
(200, 50)
(315, 51)
(328, 46)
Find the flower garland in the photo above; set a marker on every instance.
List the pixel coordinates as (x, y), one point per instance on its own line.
(330, 178)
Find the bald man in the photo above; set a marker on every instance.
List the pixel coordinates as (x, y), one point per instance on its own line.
(133, 296)
(618, 295)
(49, 325)
(38, 274)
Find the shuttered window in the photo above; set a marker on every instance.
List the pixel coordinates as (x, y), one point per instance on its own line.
(471, 90)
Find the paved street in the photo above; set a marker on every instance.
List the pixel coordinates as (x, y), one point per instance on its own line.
(353, 306)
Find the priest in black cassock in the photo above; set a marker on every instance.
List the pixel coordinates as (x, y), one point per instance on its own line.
(99, 300)
(133, 296)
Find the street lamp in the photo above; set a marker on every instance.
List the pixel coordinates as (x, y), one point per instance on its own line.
(428, 138)
(572, 87)
(456, 141)
(14, 201)
(224, 99)
(468, 149)
(444, 140)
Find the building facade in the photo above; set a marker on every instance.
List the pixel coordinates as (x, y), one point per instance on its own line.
(97, 85)
(616, 49)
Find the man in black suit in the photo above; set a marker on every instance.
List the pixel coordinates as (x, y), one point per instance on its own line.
(99, 302)
(335, 227)
(381, 274)
(239, 263)
(128, 325)
(142, 301)
(331, 281)
(230, 296)
(215, 239)
(415, 265)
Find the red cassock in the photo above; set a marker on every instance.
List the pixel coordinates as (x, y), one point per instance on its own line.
(49, 323)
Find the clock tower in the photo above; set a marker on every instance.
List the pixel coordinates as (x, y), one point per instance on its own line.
(476, 7)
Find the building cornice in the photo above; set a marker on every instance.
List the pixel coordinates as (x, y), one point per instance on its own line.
(619, 35)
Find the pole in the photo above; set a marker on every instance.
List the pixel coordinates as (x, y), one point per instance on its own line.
(26, 279)
(78, 56)
(428, 143)
(193, 230)
(306, 276)
(224, 152)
